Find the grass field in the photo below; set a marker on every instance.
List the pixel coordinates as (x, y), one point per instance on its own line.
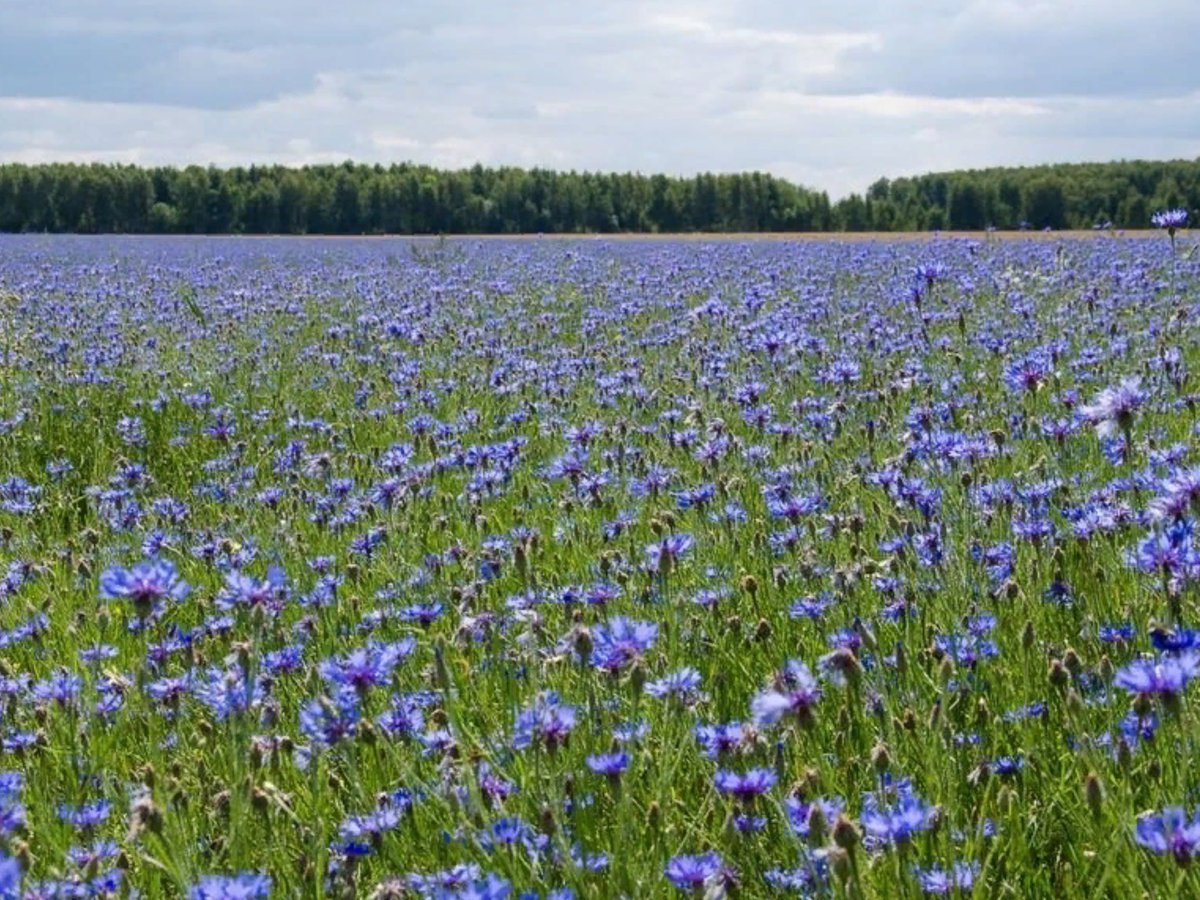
(599, 568)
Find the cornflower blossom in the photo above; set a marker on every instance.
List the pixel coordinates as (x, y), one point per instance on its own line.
(682, 686)
(1115, 408)
(330, 721)
(621, 642)
(938, 881)
(10, 878)
(664, 555)
(793, 694)
(547, 721)
(1170, 219)
(367, 667)
(723, 739)
(1170, 831)
(609, 764)
(246, 886)
(800, 813)
(745, 786)
(696, 873)
(147, 584)
(1165, 677)
(896, 824)
(241, 590)
(88, 815)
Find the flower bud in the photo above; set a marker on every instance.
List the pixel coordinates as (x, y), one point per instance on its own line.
(1093, 792)
(845, 833)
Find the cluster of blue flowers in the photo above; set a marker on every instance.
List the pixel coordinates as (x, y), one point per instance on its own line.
(590, 569)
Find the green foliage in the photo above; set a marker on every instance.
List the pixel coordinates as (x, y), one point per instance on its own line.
(412, 199)
(403, 198)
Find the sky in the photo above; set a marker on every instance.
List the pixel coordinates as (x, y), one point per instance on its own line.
(830, 94)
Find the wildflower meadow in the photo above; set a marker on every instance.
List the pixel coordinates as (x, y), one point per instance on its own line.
(589, 568)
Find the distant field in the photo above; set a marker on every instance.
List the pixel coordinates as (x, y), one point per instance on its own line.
(724, 237)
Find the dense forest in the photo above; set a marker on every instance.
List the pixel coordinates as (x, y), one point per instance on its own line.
(412, 199)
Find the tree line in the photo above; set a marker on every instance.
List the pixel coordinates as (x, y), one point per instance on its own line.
(415, 199)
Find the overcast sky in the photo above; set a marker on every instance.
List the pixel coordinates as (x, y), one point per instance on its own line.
(831, 94)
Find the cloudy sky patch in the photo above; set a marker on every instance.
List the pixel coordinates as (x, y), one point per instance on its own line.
(832, 95)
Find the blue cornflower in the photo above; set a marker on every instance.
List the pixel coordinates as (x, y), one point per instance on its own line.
(683, 686)
(330, 721)
(810, 607)
(242, 590)
(147, 584)
(246, 886)
(449, 880)
(610, 764)
(662, 557)
(82, 857)
(371, 826)
(404, 719)
(424, 614)
(12, 815)
(721, 739)
(621, 642)
(695, 873)
(1166, 677)
(935, 880)
(1115, 407)
(62, 688)
(225, 692)
(794, 693)
(1120, 633)
(1007, 765)
(10, 878)
(1177, 641)
(1028, 373)
(546, 721)
(745, 786)
(368, 666)
(1169, 832)
(896, 824)
(1170, 219)
(88, 815)
(799, 812)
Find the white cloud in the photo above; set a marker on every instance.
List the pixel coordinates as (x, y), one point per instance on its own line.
(833, 95)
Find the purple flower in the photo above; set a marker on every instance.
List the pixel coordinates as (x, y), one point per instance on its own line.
(683, 685)
(745, 786)
(547, 721)
(1114, 408)
(368, 666)
(1169, 832)
(721, 739)
(10, 878)
(694, 873)
(1178, 641)
(794, 694)
(89, 815)
(246, 886)
(896, 824)
(242, 590)
(147, 584)
(1166, 677)
(1029, 373)
(936, 880)
(621, 642)
(329, 722)
(799, 812)
(663, 556)
(1170, 219)
(371, 826)
(610, 764)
